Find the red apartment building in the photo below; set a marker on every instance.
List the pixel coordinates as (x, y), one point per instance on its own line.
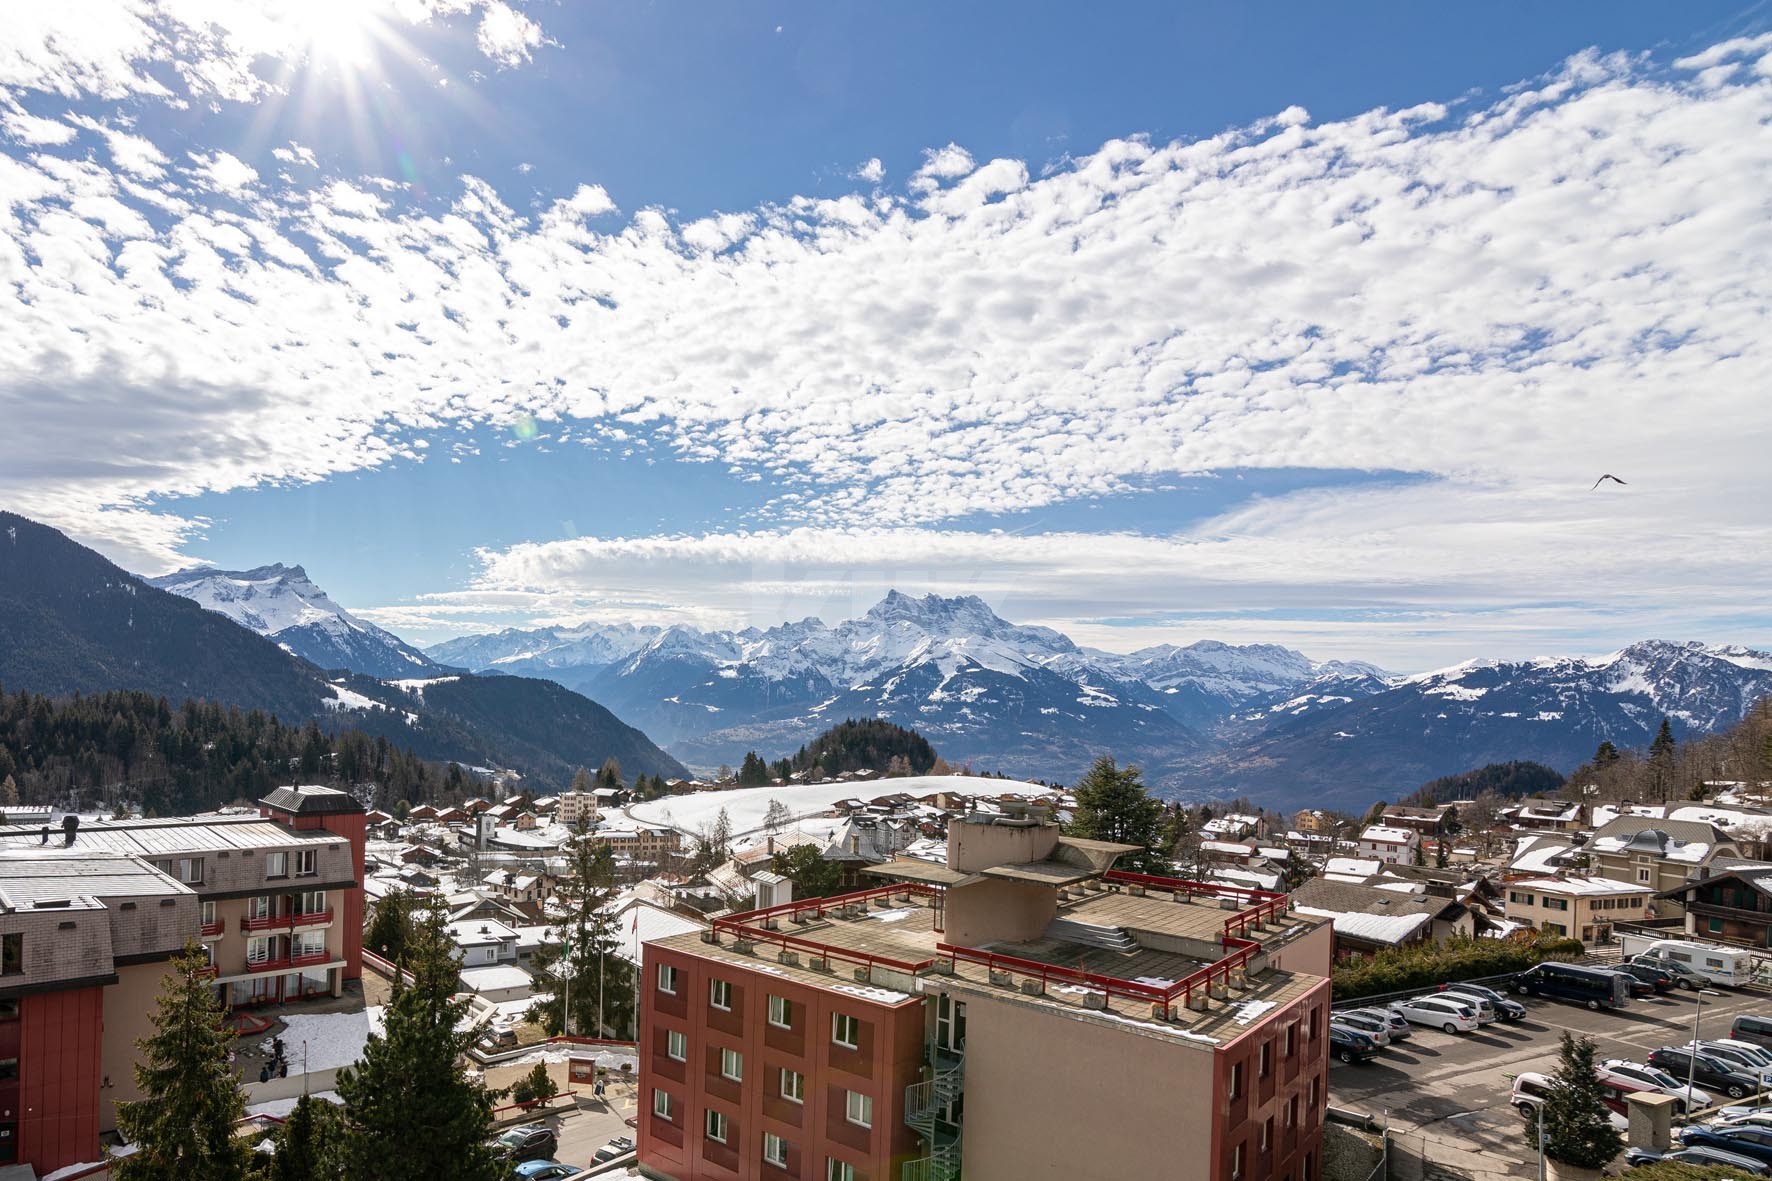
(1024, 1010)
(87, 925)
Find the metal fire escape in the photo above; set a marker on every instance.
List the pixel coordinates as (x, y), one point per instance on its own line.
(926, 1105)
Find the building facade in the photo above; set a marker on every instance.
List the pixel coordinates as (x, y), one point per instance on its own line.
(1734, 906)
(941, 1022)
(1581, 908)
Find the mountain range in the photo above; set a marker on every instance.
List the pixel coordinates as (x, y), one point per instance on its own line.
(1207, 719)
(72, 622)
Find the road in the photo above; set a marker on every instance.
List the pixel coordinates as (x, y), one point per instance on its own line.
(1455, 1087)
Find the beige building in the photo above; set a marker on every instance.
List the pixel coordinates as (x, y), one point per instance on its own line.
(1582, 908)
(1659, 854)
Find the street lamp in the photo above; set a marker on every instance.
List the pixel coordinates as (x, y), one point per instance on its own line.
(1541, 1139)
(1692, 1058)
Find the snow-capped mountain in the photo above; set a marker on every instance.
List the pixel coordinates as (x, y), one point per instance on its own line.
(281, 603)
(1017, 698)
(1554, 711)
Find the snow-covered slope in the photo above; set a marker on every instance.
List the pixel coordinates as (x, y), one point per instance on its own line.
(280, 602)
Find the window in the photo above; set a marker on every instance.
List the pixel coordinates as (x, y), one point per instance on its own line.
(1556, 928)
(1517, 896)
(845, 1030)
(1311, 1095)
(188, 870)
(1314, 1013)
(1291, 1047)
(1236, 1089)
(720, 994)
(732, 1065)
(1236, 1161)
(1550, 903)
(259, 908)
(312, 902)
(8, 1068)
(836, 1170)
(1265, 1060)
(1716, 926)
(208, 914)
(1292, 1112)
(781, 1012)
(305, 863)
(661, 1104)
(676, 1045)
(1642, 875)
(667, 979)
(858, 1108)
(718, 1125)
(257, 951)
(310, 943)
(1307, 1175)
(793, 1085)
(1267, 1133)
(775, 1150)
(276, 865)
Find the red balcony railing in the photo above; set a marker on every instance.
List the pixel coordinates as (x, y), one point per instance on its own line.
(312, 919)
(308, 959)
(273, 964)
(209, 930)
(271, 922)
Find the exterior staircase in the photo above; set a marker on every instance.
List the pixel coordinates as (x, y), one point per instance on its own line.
(1091, 935)
(923, 1104)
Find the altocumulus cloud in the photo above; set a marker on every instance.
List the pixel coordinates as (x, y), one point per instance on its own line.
(1497, 296)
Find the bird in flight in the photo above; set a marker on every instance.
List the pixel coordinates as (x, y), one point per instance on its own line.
(1604, 478)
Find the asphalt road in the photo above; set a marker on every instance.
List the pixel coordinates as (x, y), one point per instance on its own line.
(1456, 1087)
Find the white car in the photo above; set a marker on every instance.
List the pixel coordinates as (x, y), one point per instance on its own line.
(1530, 1088)
(1744, 1056)
(1441, 1012)
(1691, 1098)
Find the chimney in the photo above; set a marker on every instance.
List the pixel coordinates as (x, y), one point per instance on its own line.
(70, 826)
(45, 839)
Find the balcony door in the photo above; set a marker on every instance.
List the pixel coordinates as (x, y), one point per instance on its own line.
(950, 1025)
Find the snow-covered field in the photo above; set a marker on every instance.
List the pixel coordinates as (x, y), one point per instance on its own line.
(333, 1039)
(745, 806)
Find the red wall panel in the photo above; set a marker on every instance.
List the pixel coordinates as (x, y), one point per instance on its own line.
(59, 1064)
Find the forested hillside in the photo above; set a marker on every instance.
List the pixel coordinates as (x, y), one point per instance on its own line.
(109, 748)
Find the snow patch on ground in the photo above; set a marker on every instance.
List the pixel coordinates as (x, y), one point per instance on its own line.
(351, 699)
(746, 806)
(333, 1039)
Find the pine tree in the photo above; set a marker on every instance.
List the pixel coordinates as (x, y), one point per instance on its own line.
(411, 1112)
(753, 772)
(387, 932)
(1112, 805)
(310, 1144)
(813, 875)
(9, 792)
(1577, 1127)
(1661, 760)
(183, 1125)
(609, 774)
(585, 964)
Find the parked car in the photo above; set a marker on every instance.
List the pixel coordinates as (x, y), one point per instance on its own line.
(499, 1038)
(1375, 1028)
(1529, 1091)
(1755, 1119)
(1751, 1058)
(1350, 1045)
(1718, 1075)
(1638, 987)
(1654, 975)
(1751, 1028)
(1395, 1023)
(1505, 1007)
(620, 1146)
(544, 1170)
(531, 1142)
(1748, 1141)
(1684, 975)
(1445, 1013)
(1648, 1077)
(1702, 1156)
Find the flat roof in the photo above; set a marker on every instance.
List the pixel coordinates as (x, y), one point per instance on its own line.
(910, 869)
(77, 877)
(166, 838)
(1051, 873)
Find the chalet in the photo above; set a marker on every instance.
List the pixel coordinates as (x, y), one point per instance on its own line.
(423, 812)
(1393, 845)
(453, 816)
(1544, 815)
(1728, 905)
(1368, 919)
(1426, 821)
(419, 855)
(477, 805)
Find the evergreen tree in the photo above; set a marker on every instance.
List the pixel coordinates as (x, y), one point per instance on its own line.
(183, 1125)
(585, 964)
(534, 1087)
(9, 792)
(310, 1144)
(1181, 840)
(1112, 805)
(412, 1114)
(387, 933)
(609, 774)
(1661, 761)
(581, 781)
(1577, 1127)
(753, 772)
(813, 874)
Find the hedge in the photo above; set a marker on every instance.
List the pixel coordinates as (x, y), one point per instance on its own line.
(1424, 965)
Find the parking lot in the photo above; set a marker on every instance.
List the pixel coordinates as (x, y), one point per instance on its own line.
(1454, 1088)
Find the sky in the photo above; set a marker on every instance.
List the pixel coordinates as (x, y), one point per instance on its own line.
(1147, 322)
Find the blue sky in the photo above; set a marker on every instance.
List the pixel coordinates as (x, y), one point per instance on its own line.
(1148, 322)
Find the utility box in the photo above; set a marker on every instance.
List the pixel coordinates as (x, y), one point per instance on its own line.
(1651, 1120)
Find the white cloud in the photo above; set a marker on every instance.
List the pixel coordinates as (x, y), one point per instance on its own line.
(506, 35)
(1503, 300)
(296, 154)
(34, 130)
(224, 173)
(870, 170)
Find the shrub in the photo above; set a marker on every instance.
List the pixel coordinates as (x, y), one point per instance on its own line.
(535, 1087)
(1424, 965)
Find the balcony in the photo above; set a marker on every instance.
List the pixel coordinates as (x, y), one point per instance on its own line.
(271, 922)
(1738, 913)
(313, 918)
(309, 959)
(209, 930)
(269, 964)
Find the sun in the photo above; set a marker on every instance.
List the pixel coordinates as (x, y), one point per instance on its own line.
(342, 33)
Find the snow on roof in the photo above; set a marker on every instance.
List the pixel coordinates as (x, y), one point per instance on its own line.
(1227, 847)
(746, 806)
(1365, 867)
(1539, 859)
(1605, 814)
(1375, 928)
(639, 923)
(1236, 876)
(1725, 818)
(468, 932)
(1392, 836)
(1400, 887)
(494, 978)
(1580, 886)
